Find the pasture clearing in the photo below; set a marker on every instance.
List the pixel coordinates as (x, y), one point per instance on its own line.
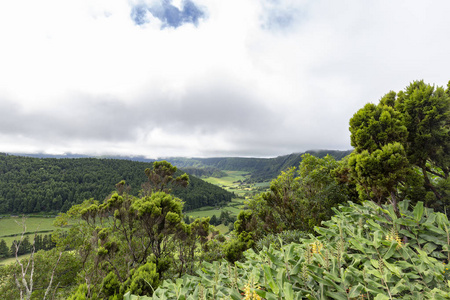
(11, 260)
(235, 182)
(234, 207)
(11, 228)
(13, 225)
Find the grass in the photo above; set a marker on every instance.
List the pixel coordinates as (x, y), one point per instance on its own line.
(11, 227)
(204, 213)
(229, 181)
(235, 206)
(233, 182)
(11, 260)
(222, 229)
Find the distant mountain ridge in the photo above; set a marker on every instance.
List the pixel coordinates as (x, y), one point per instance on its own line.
(261, 169)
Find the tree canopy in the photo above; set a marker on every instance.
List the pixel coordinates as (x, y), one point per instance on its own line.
(405, 134)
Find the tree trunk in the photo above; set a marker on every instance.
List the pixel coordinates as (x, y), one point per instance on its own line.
(395, 204)
(428, 184)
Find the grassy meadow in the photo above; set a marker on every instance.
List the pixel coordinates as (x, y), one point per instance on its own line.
(233, 182)
(234, 207)
(11, 260)
(11, 228)
(13, 225)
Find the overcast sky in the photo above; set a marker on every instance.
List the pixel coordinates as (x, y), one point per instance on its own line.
(162, 78)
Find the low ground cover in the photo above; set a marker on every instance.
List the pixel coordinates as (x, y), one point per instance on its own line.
(363, 252)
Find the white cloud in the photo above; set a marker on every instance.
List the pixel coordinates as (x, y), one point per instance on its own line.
(265, 77)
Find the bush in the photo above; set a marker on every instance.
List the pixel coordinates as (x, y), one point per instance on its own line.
(364, 251)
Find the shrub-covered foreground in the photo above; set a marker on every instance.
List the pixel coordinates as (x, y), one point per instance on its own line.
(363, 252)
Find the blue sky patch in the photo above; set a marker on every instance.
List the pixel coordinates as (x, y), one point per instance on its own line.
(139, 14)
(170, 15)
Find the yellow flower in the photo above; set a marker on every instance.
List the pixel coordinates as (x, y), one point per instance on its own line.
(316, 247)
(249, 294)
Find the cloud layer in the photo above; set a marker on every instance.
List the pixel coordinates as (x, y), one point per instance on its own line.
(206, 78)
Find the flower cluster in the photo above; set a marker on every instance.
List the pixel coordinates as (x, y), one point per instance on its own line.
(393, 236)
(250, 293)
(316, 247)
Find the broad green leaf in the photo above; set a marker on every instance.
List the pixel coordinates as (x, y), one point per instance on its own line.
(381, 297)
(269, 278)
(391, 250)
(406, 222)
(288, 292)
(418, 211)
(394, 269)
(430, 219)
(355, 291)
(339, 296)
(373, 224)
(377, 238)
(327, 282)
(357, 244)
(432, 238)
(274, 259)
(434, 229)
(429, 247)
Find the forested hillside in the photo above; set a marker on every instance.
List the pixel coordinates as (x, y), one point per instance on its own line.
(261, 169)
(29, 185)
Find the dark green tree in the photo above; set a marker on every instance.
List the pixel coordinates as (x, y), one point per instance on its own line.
(425, 112)
(4, 251)
(124, 232)
(406, 133)
(160, 178)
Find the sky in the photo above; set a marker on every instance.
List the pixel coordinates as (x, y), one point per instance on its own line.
(205, 78)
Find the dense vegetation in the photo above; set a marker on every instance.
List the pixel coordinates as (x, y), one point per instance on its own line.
(369, 226)
(363, 252)
(261, 169)
(30, 185)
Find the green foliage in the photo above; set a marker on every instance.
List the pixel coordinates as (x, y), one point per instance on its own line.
(143, 281)
(261, 169)
(375, 126)
(123, 231)
(298, 199)
(160, 178)
(44, 261)
(130, 243)
(205, 172)
(379, 172)
(276, 240)
(4, 251)
(426, 114)
(110, 285)
(402, 147)
(29, 185)
(363, 251)
(82, 293)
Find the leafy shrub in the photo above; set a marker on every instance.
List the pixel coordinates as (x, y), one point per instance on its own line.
(279, 239)
(363, 252)
(143, 280)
